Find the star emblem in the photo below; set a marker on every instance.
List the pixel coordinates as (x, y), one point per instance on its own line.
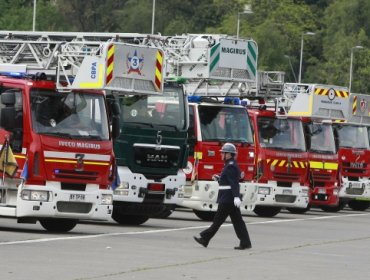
(135, 63)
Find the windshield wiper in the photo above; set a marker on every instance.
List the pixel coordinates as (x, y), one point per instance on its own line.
(92, 137)
(57, 134)
(286, 149)
(321, 151)
(168, 125)
(141, 123)
(294, 149)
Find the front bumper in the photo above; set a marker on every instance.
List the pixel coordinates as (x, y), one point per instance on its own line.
(69, 204)
(272, 195)
(134, 188)
(202, 196)
(355, 189)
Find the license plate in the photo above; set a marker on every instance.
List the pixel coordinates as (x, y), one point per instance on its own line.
(76, 197)
(287, 191)
(323, 191)
(356, 185)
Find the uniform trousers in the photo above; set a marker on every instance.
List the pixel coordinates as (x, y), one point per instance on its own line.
(224, 210)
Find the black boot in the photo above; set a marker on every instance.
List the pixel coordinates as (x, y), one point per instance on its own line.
(201, 241)
(243, 247)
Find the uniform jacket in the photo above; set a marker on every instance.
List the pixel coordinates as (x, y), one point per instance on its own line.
(229, 177)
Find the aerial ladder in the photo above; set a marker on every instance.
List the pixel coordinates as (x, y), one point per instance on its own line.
(54, 119)
(219, 71)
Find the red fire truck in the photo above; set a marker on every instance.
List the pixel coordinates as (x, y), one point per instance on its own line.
(281, 174)
(320, 105)
(57, 155)
(354, 154)
(217, 69)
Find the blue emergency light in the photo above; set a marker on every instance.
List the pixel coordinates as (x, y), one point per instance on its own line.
(13, 70)
(232, 101)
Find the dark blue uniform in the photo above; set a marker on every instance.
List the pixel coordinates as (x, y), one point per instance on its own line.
(229, 178)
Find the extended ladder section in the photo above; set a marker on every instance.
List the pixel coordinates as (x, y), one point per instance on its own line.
(270, 84)
(213, 65)
(321, 102)
(359, 109)
(118, 62)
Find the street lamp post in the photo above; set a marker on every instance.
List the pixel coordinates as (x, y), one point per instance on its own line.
(301, 57)
(34, 16)
(153, 15)
(350, 66)
(247, 10)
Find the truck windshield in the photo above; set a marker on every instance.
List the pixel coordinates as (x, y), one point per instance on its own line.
(353, 136)
(72, 114)
(221, 123)
(167, 109)
(322, 138)
(283, 134)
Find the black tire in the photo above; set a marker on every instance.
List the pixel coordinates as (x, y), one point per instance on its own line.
(163, 214)
(205, 215)
(298, 210)
(133, 220)
(58, 225)
(333, 209)
(358, 205)
(267, 211)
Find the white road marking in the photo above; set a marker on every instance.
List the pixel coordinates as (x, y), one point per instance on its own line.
(170, 230)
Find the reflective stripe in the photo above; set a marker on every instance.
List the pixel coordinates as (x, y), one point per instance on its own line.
(224, 188)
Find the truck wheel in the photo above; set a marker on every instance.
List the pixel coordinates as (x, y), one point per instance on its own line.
(333, 209)
(205, 215)
(163, 214)
(58, 225)
(298, 210)
(133, 220)
(266, 211)
(358, 205)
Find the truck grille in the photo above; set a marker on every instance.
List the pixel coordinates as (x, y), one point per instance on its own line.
(72, 174)
(285, 198)
(321, 177)
(74, 207)
(355, 191)
(286, 176)
(353, 169)
(149, 156)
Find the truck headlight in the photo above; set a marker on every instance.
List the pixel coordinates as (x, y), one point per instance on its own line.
(305, 192)
(264, 190)
(107, 199)
(123, 185)
(33, 195)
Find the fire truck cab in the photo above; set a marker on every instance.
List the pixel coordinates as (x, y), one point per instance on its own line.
(354, 154)
(218, 70)
(55, 122)
(320, 106)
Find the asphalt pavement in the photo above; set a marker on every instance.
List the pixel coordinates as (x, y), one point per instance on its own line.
(315, 245)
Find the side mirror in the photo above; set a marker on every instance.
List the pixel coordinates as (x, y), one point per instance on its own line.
(307, 136)
(115, 126)
(8, 98)
(336, 139)
(115, 108)
(7, 113)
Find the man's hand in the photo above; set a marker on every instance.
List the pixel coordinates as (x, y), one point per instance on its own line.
(216, 177)
(237, 202)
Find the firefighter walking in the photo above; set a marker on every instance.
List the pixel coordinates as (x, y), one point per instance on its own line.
(228, 201)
